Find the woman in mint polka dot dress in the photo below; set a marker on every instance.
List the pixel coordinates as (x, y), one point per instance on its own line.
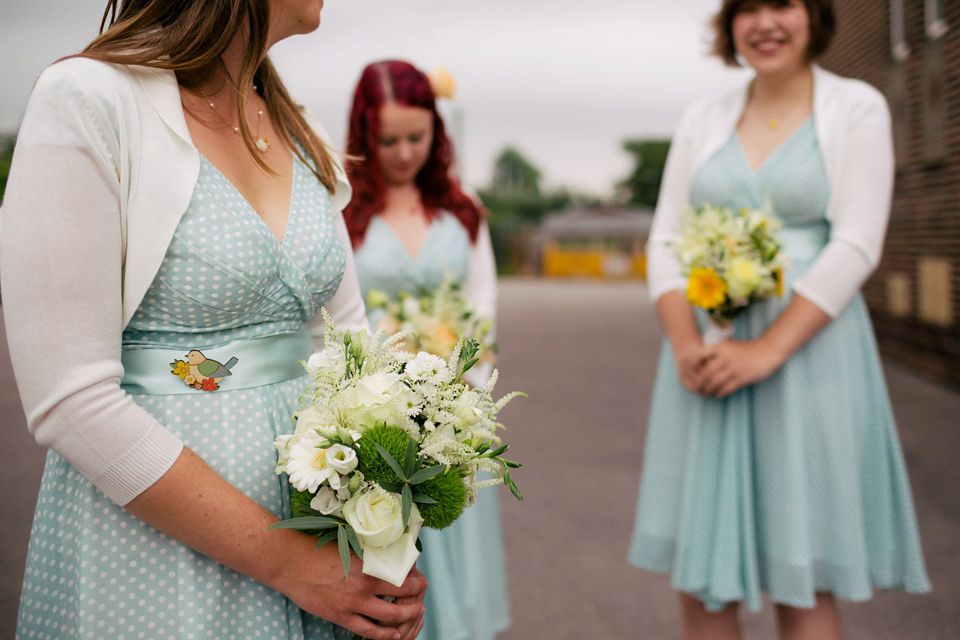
(172, 228)
(413, 228)
(772, 465)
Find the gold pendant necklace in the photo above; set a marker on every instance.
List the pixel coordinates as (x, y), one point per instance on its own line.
(262, 143)
(773, 124)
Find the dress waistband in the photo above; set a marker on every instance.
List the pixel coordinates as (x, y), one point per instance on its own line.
(240, 364)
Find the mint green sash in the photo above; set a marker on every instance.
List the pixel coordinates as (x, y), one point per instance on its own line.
(259, 361)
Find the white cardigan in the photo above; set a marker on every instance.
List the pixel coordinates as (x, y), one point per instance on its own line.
(853, 130)
(104, 169)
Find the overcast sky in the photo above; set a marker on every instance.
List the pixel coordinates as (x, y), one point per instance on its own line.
(565, 81)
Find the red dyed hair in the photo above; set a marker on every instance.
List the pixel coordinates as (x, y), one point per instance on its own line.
(400, 82)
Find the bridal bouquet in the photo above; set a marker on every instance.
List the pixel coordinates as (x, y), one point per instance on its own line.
(386, 442)
(435, 321)
(730, 259)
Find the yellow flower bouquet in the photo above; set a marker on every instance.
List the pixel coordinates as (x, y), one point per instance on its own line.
(435, 321)
(730, 258)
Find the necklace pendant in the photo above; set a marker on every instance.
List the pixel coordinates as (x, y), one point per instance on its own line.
(773, 123)
(263, 144)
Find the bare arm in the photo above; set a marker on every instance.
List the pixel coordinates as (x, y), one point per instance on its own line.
(734, 364)
(194, 505)
(689, 352)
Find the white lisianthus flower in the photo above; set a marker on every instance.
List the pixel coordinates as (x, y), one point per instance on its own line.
(308, 467)
(466, 409)
(330, 362)
(389, 545)
(342, 459)
(743, 276)
(312, 418)
(282, 445)
(327, 502)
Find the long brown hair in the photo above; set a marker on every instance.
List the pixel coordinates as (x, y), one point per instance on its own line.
(189, 37)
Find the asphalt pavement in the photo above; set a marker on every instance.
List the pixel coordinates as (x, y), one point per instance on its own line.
(585, 353)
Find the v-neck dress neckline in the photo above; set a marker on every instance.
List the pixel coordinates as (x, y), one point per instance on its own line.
(294, 170)
(399, 241)
(785, 143)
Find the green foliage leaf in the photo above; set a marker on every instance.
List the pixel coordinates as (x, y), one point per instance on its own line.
(425, 474)
(498, 451)
(344, 546)
(354, 541)
(325, 538)
(406, 501)
(513, 487)
(409, 458)
(391, 461)
(306, 524)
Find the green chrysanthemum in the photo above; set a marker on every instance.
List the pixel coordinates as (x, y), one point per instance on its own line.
(450, 493)
(370, 463)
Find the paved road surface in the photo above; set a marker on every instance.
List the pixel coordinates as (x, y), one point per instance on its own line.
(585, 352)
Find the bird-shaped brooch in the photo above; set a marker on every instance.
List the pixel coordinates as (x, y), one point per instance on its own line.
(200, 372)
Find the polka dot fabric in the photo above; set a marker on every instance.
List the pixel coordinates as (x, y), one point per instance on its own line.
(95, 571)
(796, 484)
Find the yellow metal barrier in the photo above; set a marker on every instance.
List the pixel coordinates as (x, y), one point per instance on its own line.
(592, 263)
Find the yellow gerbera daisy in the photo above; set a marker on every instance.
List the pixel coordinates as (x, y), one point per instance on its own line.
(705, 288)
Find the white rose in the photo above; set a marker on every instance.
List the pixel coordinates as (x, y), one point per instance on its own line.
(389, 546)
(382, 397)
(342, 459)
(327, 502)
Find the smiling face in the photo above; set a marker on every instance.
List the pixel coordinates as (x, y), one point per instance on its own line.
(772, 37)
(404, 142)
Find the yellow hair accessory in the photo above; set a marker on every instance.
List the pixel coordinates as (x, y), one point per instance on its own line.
(442, 83)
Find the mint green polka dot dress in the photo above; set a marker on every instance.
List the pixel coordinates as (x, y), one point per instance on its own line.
(95, 571)
(796, 484)
(464, 563)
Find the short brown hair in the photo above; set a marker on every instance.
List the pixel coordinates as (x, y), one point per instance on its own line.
(823, 24)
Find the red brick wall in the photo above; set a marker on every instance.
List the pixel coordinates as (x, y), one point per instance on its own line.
(925, 219)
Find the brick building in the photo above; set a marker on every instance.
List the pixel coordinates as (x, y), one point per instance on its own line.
(910, 50)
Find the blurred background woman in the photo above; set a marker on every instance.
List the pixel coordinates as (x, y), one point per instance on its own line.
(412, 228)
(772, 462)
(171, 210)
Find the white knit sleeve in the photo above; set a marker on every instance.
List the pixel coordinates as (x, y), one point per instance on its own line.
(482, 294)
(62, 264)
(860, 209)
(663, 268)
(346, 308)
